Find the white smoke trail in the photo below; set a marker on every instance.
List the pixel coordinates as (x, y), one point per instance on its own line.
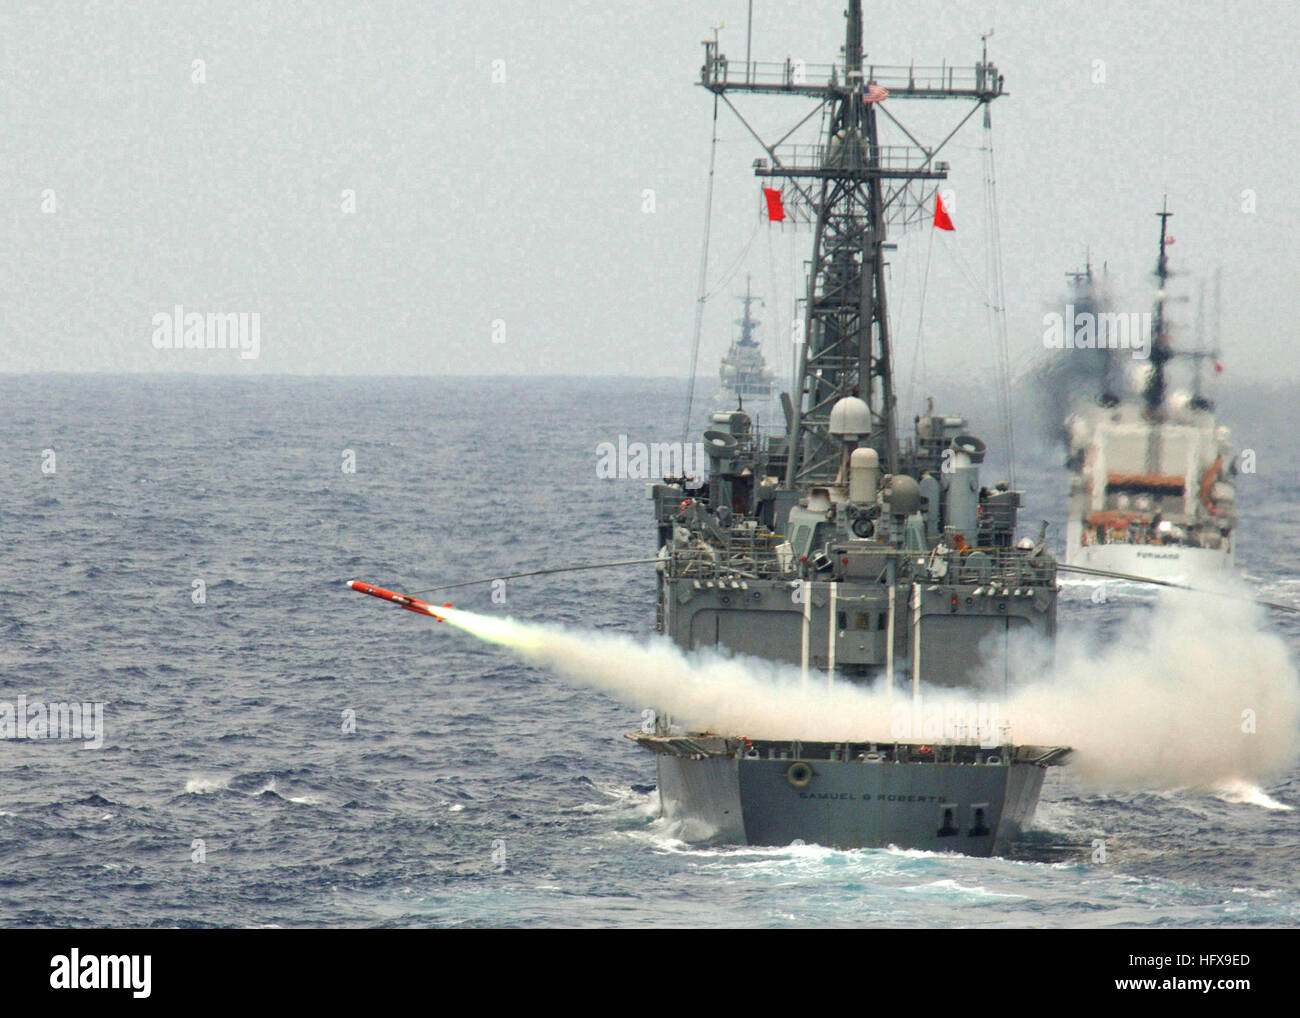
(731, 695)
(1194, 693)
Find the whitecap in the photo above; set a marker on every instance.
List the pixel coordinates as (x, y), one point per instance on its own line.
(1245, 793)
(205, 785)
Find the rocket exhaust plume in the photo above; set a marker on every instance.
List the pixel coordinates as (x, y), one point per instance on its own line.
(1196, 694)
(1194, 691)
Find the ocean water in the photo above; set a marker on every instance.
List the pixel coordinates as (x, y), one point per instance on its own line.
(288, 753)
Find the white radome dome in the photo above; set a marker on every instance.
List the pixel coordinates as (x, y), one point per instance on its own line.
(850, 418)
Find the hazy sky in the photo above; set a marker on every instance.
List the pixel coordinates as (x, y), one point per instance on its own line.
(130, 187)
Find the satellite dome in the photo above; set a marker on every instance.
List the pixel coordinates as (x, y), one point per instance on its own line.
(903, 495)
(850, 418)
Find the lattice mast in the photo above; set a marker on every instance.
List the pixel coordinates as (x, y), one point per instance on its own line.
(850, 188)
(1161, 349)
(747, 322)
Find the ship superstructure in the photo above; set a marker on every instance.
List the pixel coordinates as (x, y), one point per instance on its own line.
(1151, 472)
(744, 371)
(836, 546)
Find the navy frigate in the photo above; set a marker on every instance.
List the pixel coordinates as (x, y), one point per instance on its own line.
(744, 371)
(835, 545)
(1151, 470)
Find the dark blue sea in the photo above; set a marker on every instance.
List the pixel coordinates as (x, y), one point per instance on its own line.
(288, 753)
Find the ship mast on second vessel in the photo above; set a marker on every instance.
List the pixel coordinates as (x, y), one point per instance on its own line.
(1151, 472)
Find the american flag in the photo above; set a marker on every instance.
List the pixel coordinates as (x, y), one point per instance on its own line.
(873, 93)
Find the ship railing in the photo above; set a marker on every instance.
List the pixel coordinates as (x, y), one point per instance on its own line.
(793, 74)
(718, 70)
(1009, 566)
(759, 440)
(850, 154)
(762, 431)
(983, 749)
(744, 553)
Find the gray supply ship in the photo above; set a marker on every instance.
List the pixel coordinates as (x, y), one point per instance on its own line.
(743, 371)
(838, 547)
(1151, 470)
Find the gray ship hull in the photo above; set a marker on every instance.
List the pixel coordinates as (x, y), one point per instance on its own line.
(948, 799)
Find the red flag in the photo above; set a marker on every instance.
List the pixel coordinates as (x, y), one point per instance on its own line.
(1218, 368)
(941, 219)
(775, 207)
